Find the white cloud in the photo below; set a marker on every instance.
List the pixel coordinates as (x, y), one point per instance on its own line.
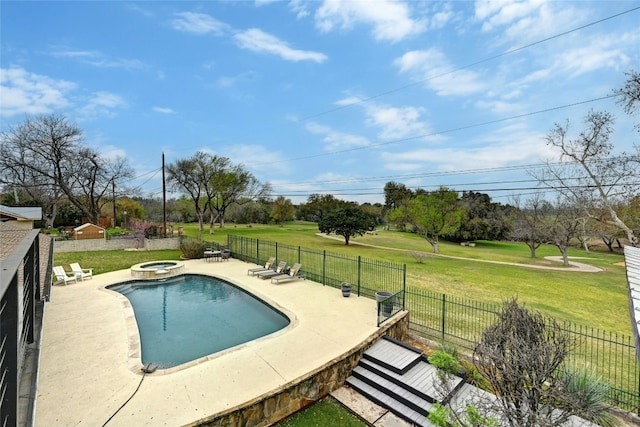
(258, 41)
(336, 140)
(438, 74)
(98, 59)
(199, 23)
(258, 159)
(396, 122)
(516, 20)
(391, 20)
(163, 110)
(299, 7)
(102, 103)
(601, 52)
(508, 146)
(29, 93)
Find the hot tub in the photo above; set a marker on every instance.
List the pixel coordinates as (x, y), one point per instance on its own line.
(157, 269)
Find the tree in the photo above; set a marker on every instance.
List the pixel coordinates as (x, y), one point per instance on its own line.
(235, 185)
(629, 95)
(482, 218)
(185, 175)
(530, 222)
(589, 175)
(432, 214)
(318, 205)
(283, 210)
(46, 157)
(394, 194)
(347, 222)
(564, 224)
(522, 356)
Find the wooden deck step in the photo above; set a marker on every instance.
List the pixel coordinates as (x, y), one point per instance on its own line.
(399, 393)
(393, 355)
(387, 401)
(420, 379)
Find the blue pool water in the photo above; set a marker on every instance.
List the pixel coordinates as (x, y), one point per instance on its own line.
(187, 317)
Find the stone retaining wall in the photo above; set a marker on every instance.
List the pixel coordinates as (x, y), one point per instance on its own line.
(298, 394)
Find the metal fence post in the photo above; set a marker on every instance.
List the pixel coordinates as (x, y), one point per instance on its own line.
(444, 310)
(359, 267)
(404, 286)
(324, 267)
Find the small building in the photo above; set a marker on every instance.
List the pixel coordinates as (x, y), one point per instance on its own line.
(89, 231)
(20, 217)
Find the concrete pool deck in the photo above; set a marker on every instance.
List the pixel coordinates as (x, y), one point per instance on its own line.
(87, 370)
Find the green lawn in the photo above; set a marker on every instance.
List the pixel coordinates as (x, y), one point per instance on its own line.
(327, 412)
(592, 299)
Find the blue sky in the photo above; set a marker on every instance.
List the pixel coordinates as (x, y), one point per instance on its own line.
(334, 97)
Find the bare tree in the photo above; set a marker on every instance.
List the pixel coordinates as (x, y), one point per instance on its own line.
(588, 175)
(522, 356)
(629, 95)
(564, 224)
(529, 225)
(47, 158)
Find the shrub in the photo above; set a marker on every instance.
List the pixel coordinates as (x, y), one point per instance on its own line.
(192, 248)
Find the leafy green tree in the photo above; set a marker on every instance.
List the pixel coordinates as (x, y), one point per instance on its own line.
(283, 210)
(347, 222)
(432, 214)
(318, 205)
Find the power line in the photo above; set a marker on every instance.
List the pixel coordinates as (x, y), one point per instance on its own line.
(456, 129)
(470, 65)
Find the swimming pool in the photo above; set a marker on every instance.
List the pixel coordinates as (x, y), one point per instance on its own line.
(188, 317)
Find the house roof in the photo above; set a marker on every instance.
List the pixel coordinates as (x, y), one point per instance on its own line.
(24, 213)
(632, 263)
(86, 225)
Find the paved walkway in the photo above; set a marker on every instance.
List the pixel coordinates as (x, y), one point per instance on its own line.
(574, 265)
(88, 369)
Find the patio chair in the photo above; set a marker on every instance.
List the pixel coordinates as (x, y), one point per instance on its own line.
(276, 271)
(63, 275)
(225, 255)
(267, 266)
(82, 273)
(293, 274)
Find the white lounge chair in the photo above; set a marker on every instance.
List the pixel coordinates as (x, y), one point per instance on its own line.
(293, 274)
(63, 275)
(82, 273)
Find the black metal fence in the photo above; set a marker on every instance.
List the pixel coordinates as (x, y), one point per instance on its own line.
(19, 294)
(366, 275)
(461, 321)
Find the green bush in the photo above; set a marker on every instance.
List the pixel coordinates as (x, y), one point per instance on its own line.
(192, 248)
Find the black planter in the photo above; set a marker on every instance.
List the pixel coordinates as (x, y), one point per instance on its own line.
(346, 290)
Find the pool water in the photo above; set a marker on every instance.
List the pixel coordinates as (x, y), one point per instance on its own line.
(158, 265)
(188, 317)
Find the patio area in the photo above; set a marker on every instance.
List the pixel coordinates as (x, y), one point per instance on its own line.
(90, 364)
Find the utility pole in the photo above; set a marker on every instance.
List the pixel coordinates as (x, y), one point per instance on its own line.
(113, 189)
(164, 202)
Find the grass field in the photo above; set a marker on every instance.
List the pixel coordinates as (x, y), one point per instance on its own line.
(591, 299)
